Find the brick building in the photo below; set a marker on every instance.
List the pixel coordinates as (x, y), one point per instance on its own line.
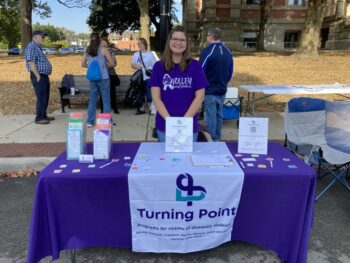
(239, 20)
(127, 41)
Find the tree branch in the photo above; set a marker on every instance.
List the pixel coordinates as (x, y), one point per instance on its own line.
(74, 3)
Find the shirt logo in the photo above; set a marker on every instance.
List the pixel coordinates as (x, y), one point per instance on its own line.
(176, 83)
(189, 189)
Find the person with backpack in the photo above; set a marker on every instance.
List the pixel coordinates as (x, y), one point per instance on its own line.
(144, 60)
(97, 59)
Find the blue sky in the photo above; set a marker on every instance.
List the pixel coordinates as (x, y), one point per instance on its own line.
(75, 18)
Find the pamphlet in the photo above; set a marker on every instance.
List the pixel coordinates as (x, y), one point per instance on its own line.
(212, 159)
(179, 134)
(253, 135)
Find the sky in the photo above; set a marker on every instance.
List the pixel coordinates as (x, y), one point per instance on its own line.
(75, 18)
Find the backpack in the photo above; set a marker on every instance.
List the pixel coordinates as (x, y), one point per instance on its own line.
(134, 96)
(93, 72)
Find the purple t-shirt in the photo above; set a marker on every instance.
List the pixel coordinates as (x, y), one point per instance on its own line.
(177, 89)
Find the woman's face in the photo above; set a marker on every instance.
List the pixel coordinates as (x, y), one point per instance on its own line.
(104, 43)
(141, 46)
(178, 43)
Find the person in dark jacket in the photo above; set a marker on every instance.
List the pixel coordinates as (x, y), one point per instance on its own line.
(217, 62)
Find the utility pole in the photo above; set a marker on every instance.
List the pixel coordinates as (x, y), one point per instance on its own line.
(164, 22)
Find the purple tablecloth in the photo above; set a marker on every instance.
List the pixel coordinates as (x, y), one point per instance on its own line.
(91, 208)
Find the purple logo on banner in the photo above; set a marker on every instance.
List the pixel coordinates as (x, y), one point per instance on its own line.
(189, 188)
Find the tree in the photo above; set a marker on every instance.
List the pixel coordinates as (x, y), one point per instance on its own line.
(26, 8)
(9, 23)
(265, 8)
(51, 31)
(119, 15)
(144, 19)
(310, 36)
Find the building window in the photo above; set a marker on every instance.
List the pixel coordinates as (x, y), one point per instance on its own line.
(296, 2)
(222, 12)
(249, 38)
(252, 2)
(291, 39)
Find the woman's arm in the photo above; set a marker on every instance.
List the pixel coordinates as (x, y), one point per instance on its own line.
(136, 66)
(110, 60)
(196, 103)
(114, 60)
(158, 103)
(84, 61)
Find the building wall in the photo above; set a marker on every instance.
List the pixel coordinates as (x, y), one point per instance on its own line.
(238, 20)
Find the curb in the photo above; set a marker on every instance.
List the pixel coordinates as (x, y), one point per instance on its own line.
(18, 164)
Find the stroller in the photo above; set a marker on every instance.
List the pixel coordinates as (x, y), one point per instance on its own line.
(319, 131)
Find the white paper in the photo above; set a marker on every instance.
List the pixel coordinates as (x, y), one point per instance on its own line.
(253, 135)
(212, 159)
(179, 134)
(102, 144)
(74, 144)
(86, 158)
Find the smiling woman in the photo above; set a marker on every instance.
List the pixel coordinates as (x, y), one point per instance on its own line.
(177, 82)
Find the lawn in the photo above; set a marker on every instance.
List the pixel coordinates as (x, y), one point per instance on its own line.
(17, 95)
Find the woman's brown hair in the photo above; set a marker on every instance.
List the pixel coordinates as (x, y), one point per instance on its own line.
(94, 45)
(167, 54)
(144, 42)
(106, 40)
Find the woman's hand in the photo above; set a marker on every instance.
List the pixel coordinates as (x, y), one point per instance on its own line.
(158, 103)
(196, 103)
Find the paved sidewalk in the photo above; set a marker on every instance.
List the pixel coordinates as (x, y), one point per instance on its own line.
(22, 142)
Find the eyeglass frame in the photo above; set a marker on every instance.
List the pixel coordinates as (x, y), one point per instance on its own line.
(179, 40)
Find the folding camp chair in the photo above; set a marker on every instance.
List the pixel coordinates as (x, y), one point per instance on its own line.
(335, 152)
(232, 105)
(310, 136)
(304, 123)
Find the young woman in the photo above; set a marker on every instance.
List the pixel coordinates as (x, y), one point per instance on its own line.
(177, 83)
(144, 59)
(95, 52)
(113, 78)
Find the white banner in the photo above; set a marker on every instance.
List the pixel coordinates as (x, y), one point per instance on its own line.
(178, 207)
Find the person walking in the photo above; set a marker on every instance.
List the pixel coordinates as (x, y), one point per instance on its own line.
(144, 59)
(40, 68)
(217, 62)
(95, 52)
(113, 77)
(177, 83)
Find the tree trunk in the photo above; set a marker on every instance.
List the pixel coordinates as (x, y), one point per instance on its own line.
(144, 19)
(310, 37)
(262, 23)
(25, 22)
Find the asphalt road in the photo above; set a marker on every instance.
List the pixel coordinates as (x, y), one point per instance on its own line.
(330, 237)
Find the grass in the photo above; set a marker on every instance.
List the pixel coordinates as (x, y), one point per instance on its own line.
(17, 95)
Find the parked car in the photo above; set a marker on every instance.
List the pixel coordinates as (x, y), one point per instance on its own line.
(79, 50)
(45, 50)
(14, 51)
(52, 51)
(64, 50)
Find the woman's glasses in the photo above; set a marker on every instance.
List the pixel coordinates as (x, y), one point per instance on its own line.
(178, 40)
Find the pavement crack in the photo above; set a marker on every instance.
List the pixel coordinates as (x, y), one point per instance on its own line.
(18, 129)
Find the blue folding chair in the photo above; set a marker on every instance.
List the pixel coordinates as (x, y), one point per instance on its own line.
(319, 131)
(334, 155)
